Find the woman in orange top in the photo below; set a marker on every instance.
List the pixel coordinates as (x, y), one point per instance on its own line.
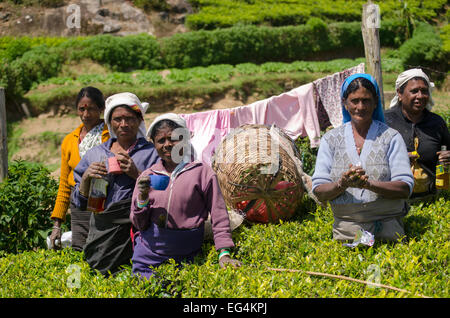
(93, 131)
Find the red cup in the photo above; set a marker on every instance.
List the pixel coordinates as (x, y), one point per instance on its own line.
(113, 166)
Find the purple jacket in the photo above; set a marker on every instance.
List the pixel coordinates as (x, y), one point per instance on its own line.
(186, 202)
(120, 186)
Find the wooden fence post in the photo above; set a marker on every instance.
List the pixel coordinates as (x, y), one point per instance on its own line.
(3, 140)
(370, 31)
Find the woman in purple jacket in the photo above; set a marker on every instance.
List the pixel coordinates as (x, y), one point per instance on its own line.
(170, 218)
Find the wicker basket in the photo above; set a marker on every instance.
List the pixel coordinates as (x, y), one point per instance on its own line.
(260, 173)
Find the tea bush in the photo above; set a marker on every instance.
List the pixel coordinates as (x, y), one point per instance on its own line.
(27, 198)
(121, 53)
(445, 36)
(208, 74)
(243, 44)
(27, 61)
(425, 48)
(212, 14)
(14, 47)
(147, 5)
(48, 273)
(44, 3)
(34, 66)
(419, 264)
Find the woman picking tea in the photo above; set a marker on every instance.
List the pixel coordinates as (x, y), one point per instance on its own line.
(362, 167)
(109, 244)
(170, 215)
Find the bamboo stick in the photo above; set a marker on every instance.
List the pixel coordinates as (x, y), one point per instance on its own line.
(344, 278)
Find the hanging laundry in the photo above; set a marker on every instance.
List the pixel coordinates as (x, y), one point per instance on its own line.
(207, 128)
(296, 112)
(328, 94)
(293, 111)
(324, 119)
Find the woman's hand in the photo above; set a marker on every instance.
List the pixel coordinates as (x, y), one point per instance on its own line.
(227, 260)
(127, 164)
(354, 177)
(413, 155)
(143, 186)
(444, 156)
(56, 234)
(96, 170)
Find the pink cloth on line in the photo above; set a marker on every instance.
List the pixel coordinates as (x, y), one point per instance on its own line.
(294, 112)
(208, 128)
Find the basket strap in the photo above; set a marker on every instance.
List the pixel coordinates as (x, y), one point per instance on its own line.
(249, 206)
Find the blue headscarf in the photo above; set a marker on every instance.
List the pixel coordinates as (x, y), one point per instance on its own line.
(378, 112)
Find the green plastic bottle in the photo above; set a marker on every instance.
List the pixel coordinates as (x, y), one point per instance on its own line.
(442, 174)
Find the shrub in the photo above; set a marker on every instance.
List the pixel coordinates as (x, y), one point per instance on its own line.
(151, 78)
(147, 5)
(120, 53)
(10, 81)
(445, 36)
(14, 48)
(419, 265)
(37, 65)
(27, 198)
(44, 3)
(308, 154)
(243, 44)
(346, 35)
(392, 32)
(34, 66)
(64, 273)
(213, 14)
(424, 49)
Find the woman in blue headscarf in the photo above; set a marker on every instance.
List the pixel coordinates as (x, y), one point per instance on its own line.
(363, 168)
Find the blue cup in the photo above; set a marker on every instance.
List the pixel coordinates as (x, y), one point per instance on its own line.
(159, 182)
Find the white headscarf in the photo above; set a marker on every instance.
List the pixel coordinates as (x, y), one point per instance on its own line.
(127, 99)
(180, 121)
(187, 146)
(405, 77)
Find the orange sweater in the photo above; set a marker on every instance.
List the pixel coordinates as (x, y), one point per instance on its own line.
(70, 157)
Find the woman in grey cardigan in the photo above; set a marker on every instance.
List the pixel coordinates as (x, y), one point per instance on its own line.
(362, 167)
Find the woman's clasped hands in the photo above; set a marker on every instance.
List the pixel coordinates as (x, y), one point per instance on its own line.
(354, 177)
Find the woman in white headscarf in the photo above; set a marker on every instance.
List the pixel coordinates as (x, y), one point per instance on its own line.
(423, 131)
(108, 245)
(170, 218)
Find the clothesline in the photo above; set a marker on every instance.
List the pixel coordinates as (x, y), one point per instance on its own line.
(300, 112)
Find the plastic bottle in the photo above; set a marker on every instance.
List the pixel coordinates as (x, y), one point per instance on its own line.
(442, 174)
(97, 195)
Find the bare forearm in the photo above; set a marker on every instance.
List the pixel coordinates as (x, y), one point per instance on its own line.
(85, 185)
(389, 189)
(386, 189)
(328, 191)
